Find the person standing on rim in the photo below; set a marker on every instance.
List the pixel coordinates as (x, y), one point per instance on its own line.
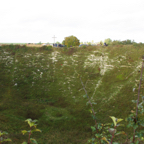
(105, 44)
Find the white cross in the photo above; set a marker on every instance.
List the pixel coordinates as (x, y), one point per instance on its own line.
(54, 38)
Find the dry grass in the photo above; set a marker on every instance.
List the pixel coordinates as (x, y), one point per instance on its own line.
(32, 45)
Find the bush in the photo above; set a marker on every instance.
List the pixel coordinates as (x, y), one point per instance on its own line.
(108, 41)
(49, 48)
(84, 46)
(125, 42)
(11, 46)
(116, 42)
(71, 41)
(31, 124)
(101, 42)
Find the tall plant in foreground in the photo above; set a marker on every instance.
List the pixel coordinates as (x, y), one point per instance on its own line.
(105, 133)
(30, 140)
(2, 139)
(31, 124)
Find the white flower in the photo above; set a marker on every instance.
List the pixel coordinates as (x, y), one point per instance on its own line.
(41, 74)
(15, 84)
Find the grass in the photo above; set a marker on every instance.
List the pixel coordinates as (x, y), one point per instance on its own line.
(44, 85)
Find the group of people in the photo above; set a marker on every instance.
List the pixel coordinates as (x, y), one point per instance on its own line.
(58, 45)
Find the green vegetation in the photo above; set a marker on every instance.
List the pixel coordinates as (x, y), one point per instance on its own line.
(13, 43)
(108, 41)
(44, 84)
(101, 43)
(89, 43)
(31, 124)
(57, 42)
(105, 133)
(118, 42)
(71, 41)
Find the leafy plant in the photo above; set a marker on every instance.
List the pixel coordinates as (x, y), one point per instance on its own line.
(2, 139)
(84, 46)
(31, 124)
(49, 48)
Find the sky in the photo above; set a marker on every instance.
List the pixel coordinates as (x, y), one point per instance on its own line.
(34, 21)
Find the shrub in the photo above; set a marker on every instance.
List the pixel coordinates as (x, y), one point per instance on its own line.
(31, 124)
(127, 42)
(116, 42)
(49, 48)
(71, 41)
(84, 46)
(11, 46)
(108, 41)
(101, 42)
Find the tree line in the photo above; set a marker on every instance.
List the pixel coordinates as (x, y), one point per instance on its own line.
(74, 41)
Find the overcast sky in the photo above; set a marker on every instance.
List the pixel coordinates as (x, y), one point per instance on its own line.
(32, 21)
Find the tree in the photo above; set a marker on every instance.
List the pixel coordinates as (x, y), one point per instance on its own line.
(108, 41)
(127, 42)
(71, 41)
(58, 42)
(101, 43)
(63, 42)
(116, 42)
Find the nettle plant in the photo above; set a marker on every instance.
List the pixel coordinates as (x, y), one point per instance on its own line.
(105, 133)
(30, 140)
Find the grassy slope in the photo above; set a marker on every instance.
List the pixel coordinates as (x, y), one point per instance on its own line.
(44, 85)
